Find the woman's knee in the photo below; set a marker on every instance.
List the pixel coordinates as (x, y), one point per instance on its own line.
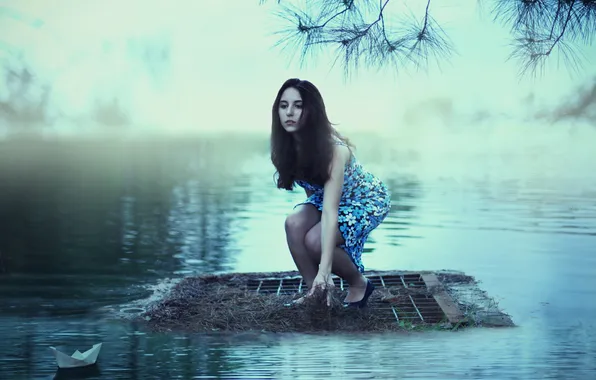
(312, 240)
(299, 223)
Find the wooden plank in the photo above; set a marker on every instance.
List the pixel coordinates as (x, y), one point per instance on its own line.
(452, 312)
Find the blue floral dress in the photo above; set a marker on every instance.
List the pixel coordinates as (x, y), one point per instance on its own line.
(364, 204)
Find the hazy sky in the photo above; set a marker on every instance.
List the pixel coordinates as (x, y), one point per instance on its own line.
(222, 72)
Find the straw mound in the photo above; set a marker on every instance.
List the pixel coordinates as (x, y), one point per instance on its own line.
(216, 303)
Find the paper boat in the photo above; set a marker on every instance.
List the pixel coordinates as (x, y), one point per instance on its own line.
(77, 359)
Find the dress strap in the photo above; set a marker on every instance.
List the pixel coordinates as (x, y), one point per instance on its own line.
(352, 159)
(337, 141)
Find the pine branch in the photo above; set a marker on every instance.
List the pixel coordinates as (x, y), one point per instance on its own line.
(538, 28)
(341, 26)
(542, 26)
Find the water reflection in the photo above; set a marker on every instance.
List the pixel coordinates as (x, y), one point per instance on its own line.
(405, 195)
(88, 223)
(129, 352)
(92, 224)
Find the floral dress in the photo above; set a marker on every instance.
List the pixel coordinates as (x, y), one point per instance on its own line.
(364, 204)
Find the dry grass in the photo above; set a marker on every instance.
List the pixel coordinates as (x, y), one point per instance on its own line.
(223, 303)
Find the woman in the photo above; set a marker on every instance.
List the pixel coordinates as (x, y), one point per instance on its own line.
(326, 233)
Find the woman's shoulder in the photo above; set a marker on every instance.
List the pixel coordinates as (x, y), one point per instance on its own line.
(337, 141)
(342, 151)
(340, 145)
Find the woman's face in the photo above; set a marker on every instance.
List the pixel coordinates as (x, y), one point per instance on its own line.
(290, 110)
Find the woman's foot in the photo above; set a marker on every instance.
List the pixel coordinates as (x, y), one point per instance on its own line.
(362, 302)
(357, 291)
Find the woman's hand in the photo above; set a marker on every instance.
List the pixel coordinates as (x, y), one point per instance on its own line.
(322, 283)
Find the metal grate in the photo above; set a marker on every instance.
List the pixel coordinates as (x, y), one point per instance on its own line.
(406, 306)
(286, 285)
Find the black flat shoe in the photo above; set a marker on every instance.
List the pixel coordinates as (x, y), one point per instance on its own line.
(362, 303)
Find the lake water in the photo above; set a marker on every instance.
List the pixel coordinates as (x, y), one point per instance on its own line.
(88, 227)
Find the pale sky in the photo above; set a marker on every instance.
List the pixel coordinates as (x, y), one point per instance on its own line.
(223, 70)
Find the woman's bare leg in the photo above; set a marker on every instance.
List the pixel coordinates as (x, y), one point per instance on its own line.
(341, 265)
(297, 225)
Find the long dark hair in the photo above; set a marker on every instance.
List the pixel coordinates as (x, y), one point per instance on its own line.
(316, 133)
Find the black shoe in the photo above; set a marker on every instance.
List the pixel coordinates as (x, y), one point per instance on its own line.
(362, 303)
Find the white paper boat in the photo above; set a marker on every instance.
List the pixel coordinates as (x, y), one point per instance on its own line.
(77, 359)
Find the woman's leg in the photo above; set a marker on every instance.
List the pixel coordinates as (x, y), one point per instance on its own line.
(342, 264)
(297, 225)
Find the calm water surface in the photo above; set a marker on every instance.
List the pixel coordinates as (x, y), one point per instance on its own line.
(88, 227)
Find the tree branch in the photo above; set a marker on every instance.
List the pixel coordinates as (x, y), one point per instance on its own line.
(422, 33)
(425, 18)
(347, 8)
(356, 39)
(564, 28)
(537, 26)
(543, 25)
(382, 6)
(552, 29)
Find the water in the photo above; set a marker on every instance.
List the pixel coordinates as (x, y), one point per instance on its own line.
(88, 227)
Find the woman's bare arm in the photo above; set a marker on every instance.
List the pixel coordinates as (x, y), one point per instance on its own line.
(332, 191)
